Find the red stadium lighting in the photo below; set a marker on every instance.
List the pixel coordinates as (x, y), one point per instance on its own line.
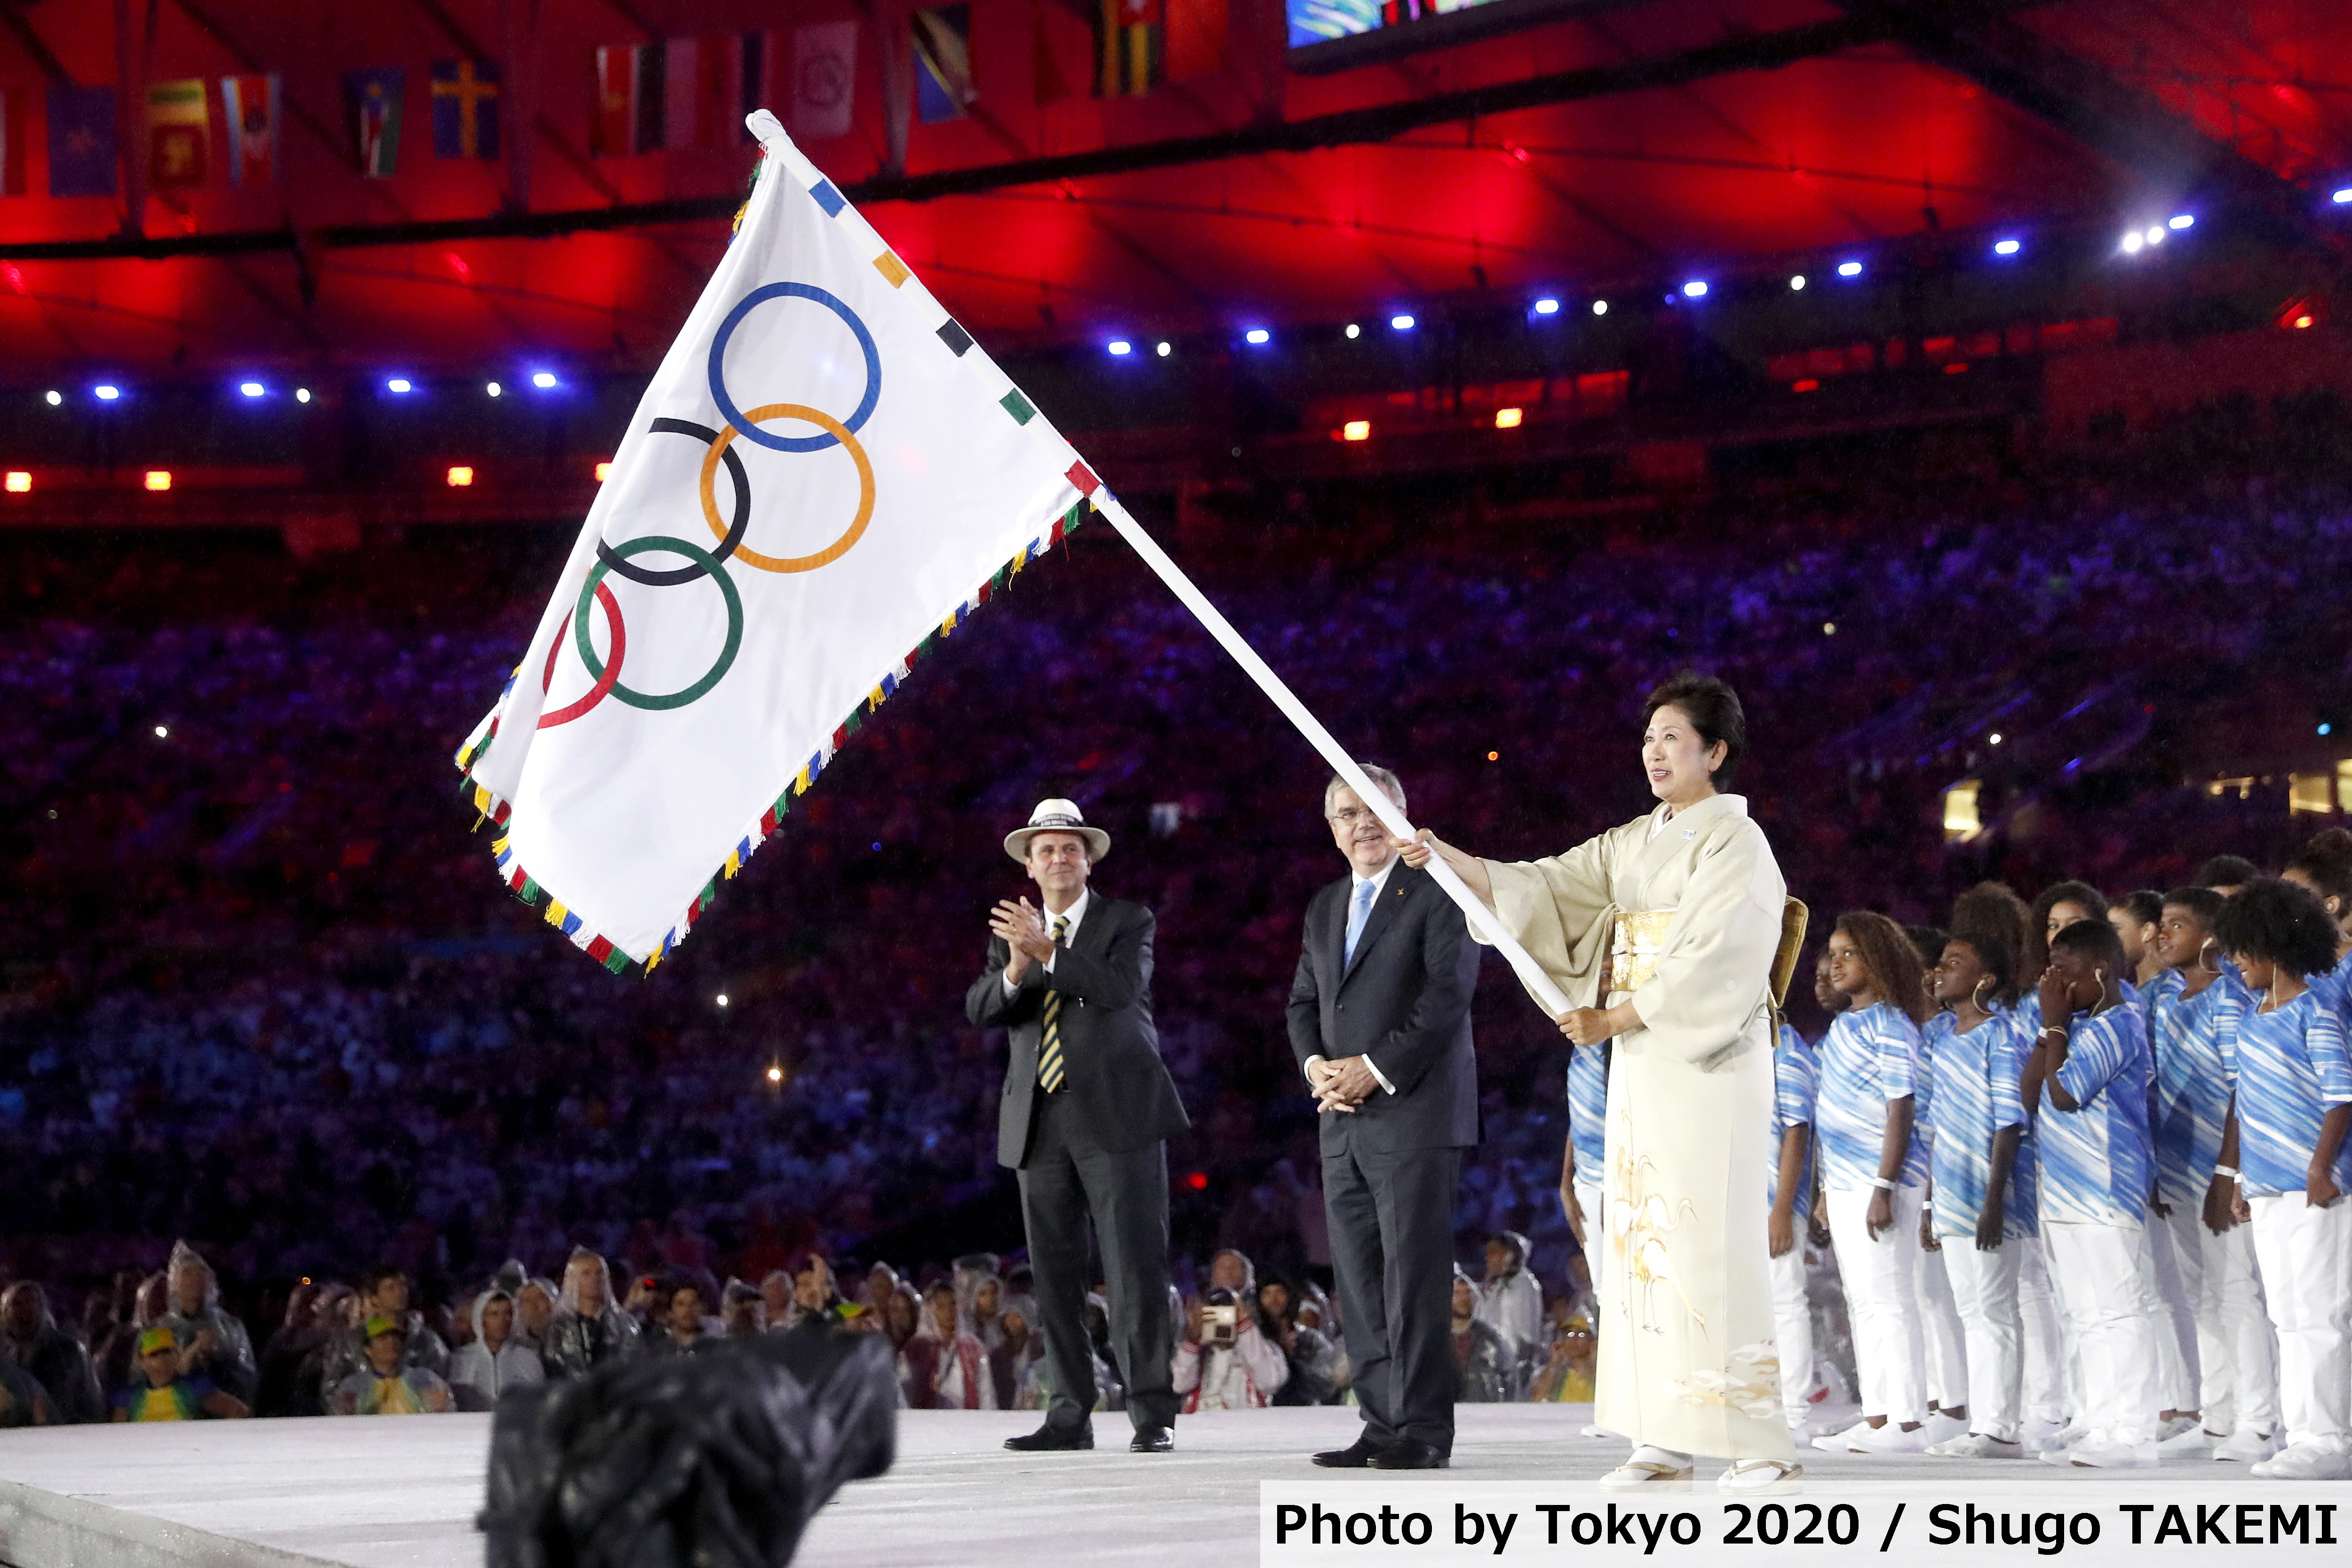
(158, 479)
(1198, 1181)
(1355, 430)
(1508, 419)
(19, 481)
(1808, 384)
(1959, 367)
(604, 472)
(460, 477)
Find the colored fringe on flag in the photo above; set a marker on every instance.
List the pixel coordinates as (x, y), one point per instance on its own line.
(825, 476)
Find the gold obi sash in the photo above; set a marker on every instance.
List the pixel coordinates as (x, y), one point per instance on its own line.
(1635, 946)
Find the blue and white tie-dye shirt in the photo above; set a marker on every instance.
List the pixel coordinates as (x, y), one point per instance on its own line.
(1975, 1074)
(2334, 987)
(1588, 1110)
(1793, 1080)
(1866, 1059)
(2195, 1041)
(2291, 1068)
(2097, 1165)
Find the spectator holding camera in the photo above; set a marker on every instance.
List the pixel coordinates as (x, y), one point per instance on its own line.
(1225, 1362)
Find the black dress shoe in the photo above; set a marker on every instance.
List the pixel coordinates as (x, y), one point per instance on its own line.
(1050, 1437)
(1354, 1456)
(1409, 1454)
(1152, 1440)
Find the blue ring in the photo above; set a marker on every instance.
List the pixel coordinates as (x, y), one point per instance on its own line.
(734, 416)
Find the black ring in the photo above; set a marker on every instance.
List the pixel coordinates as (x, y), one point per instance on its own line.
(676, 575)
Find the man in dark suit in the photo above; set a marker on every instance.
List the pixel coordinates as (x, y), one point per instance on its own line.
(1088, 1106)
(1379, 1020)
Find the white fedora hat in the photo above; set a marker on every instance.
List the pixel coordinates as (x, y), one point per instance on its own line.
(1057, 816)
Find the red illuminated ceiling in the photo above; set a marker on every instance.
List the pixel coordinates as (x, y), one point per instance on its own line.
(1843, 148)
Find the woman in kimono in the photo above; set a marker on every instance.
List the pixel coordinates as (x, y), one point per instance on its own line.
(1664, 932)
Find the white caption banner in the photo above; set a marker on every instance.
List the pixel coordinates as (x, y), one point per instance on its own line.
(2082, 1517)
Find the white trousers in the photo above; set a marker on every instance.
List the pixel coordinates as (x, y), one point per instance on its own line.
(1596, 1219)
(2237, 1379)
(1792, 1331)
(1984, 1289)
(2173, 1319)
(2043, 1390)
(2097, 1272)
(1882, 1302)
(1941, 1338)
(2307, 1261)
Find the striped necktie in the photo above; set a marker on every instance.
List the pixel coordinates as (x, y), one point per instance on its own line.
(1049, 1044)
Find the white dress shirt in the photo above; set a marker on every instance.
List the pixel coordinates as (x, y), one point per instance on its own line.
(1379, 880)
(1074, 914)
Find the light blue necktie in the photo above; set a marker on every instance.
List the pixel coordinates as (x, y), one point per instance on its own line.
(1357, 914)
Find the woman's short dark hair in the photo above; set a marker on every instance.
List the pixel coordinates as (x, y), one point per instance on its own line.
(2205, 903)
(2146, 906)
(2227, 871)
(2095, 939)
(2000, 963)
(1713, 708)
(2281, 921)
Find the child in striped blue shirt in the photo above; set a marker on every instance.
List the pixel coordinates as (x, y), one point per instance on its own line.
(2285, 1146)
(1975, 1220)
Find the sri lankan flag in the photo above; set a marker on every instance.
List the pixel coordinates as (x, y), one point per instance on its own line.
(1130, 47)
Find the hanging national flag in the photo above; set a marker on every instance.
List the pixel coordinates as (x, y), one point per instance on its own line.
(12, 142)
(179, 134)
(82, 160)
(748, 73)
(251, 106)
(824, 79)
(943, 83)
(825, 475)
(371, 99)
(1130, 46)
(465, 108)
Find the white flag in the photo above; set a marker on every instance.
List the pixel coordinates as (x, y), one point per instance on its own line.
(824, 79)
(825, 474)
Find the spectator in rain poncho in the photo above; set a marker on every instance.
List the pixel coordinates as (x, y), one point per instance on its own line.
(1485, 1364)
(944, 1366)
(679, 1327)
(389, 1385)
(1217, 1369)
(1016, 1353)
(981, 1298)
(300, 1333)
(32, 1341)
(213, 1343)
(1510, 1301)
(384, 1293)
(1313, 1358)
(497, 1359)
(535, 1304)
(742, 1314)
(589, 1327)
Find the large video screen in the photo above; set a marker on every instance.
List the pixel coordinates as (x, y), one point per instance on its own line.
(1336, 35)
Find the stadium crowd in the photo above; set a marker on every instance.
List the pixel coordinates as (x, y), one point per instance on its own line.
(261, 991)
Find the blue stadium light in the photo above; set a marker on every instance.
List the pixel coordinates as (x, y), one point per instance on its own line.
(1796, 283)
(400, 384)
(55, 397)
(2006, 247)
(2343, 198)
(1165, 348)
(1401, 323)
(1695, 288)
(253, 389)
(542, 379)
(2134, 243)
(2183, 220)
(301, 395)
(1257, 335)
(1546, 307)
(2326, 729)
(1120, 346)
(1354, 332)
(1848, 269)
(495, 390)
(1600, 307)
(106, 392)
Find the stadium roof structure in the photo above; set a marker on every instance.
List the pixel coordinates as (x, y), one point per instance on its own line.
(1595, 145)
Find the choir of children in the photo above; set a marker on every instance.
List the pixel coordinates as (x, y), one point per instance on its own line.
(2085, 1171)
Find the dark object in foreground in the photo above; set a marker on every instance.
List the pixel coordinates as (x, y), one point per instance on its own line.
(716, 1462)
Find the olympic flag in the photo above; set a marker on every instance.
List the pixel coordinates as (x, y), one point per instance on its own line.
(825, 474)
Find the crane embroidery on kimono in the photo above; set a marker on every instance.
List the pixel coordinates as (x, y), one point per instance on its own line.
(1639, 1223)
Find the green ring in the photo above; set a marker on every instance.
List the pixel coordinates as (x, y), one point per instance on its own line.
(717, 573)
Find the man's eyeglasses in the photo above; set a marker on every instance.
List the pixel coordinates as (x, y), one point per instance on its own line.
(1354, 816)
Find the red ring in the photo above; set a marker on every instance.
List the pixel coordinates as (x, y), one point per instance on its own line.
(611, 666)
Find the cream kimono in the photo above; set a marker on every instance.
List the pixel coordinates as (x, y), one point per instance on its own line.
(1687, 1359)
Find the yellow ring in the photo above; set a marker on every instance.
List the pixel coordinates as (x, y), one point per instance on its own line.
(831, 552)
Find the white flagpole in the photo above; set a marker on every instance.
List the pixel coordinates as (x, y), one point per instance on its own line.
(1482, 921)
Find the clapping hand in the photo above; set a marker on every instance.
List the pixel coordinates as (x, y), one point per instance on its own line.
(1022, 929)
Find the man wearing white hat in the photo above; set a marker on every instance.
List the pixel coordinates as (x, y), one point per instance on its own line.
(1087, 1109)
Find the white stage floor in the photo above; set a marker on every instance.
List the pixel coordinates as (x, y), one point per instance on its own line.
(386, 1493)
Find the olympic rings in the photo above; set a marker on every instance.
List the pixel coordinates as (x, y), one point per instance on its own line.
(732, 537)
(746, 426)
(835, 431)
(710, 566)
(603, 682)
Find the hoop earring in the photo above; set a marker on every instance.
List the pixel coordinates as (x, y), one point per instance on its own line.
(1976, 996)
(2202, 948)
